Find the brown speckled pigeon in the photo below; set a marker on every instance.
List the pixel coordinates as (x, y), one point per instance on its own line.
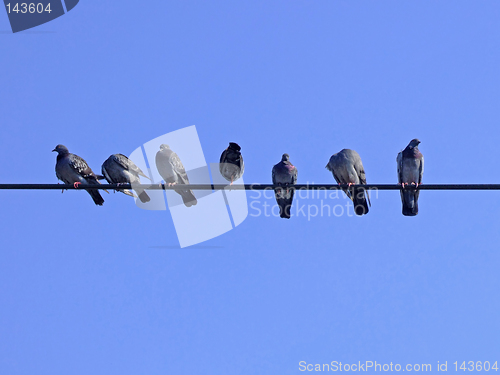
(118, 169)
(231, 165)
(284, 176)
(172, 171)
(72, 169)
(410, 171)
(347, 168)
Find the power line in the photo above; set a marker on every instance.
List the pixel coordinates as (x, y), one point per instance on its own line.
(246, 187)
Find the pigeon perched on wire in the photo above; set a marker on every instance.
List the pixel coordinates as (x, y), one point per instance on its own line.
(118, 169)
(173, 173)
(410, 171)
(347, 169)
(284, 177)
(231, 165)
(72, 169)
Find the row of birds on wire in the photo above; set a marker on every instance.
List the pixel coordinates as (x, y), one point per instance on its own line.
(346, 167)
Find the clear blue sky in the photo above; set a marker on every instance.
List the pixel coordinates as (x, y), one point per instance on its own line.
(107, 290)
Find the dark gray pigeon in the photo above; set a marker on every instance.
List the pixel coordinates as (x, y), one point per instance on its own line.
(284, 177)
(410, 171)
(231, 165)
(172, 171)
(347, 168)
(72, 169)
(118, 169)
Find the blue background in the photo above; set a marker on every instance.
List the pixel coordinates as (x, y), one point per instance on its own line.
(100, 290)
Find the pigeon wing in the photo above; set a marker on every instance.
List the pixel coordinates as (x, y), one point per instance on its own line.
(127, 164)
(421, 170)
(178, 168)
(81, 167)
(360, 170)
(420, 175)
(294, 175)
(223, 156)
(399, 162)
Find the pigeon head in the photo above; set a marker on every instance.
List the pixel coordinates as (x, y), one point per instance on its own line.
(234, 146)
(164, 147)
(285, 157)
(414, 143)
(61, 149)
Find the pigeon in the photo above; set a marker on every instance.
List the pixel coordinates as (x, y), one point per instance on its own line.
(118, 169)
(410, 171)
(72, 169)
(231, 165)
(347, 168)
(172, 171)
(284, 176)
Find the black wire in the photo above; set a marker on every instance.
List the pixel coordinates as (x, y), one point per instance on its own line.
(247, 187)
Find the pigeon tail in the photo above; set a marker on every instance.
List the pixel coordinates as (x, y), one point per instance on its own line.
(143, 196)
(284, 198)
(359, 201)
(96, 196)
(285, 207)
(187, 197)
(140, 193)
(410, 203)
